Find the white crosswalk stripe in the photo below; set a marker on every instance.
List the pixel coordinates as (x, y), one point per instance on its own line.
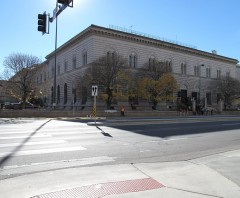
(44, 151)
(24, 136)
(33, 143)
(42, 142)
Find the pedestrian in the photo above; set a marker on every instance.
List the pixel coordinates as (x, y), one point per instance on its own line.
(122, 110)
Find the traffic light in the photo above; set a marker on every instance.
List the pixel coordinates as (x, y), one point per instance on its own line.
(65, 2)
(42, 23)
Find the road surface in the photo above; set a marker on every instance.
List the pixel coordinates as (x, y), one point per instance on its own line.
(36, 145)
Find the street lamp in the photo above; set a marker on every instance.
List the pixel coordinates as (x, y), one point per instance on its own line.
(200, 81)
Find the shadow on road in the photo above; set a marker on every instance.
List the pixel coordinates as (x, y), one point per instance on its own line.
(7, 157)
(163, 130)
(178, 129)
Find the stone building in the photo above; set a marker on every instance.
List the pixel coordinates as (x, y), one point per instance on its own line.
(238, 72)
(195, 70)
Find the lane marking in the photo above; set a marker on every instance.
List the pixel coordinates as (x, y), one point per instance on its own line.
(174, 139)
(231, 124)
(137, 130)
(43, 151)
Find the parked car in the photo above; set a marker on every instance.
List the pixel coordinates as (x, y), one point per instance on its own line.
(19, 105)
(15, 105)
(208, 110)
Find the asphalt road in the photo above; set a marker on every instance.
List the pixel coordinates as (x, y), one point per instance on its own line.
(30, 145)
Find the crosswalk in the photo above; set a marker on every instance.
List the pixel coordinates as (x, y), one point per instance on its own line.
(48, 142)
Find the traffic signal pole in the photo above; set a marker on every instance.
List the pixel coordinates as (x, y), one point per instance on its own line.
(43, 22)
(55, 62)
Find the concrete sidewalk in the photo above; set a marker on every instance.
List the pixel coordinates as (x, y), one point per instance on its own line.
(212, 176)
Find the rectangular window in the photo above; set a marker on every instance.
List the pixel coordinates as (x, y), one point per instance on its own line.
(85, 58)
(53, 71)
(130, 60)
(208, 72)
(218, 74)
(227, 74)
(45, 76)
(58, 69)
(196, 70)
(74, 62)
(135, 62)
(65, 66)
(183, 69)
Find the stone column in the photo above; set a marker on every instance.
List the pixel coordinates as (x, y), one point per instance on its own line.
(194, 106)
(220, 106)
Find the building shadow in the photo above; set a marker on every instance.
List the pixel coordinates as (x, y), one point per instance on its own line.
(178, 129)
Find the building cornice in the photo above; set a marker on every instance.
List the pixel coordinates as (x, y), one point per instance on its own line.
(116, 34)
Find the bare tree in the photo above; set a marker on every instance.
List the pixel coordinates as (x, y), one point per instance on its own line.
(19, 70)
(230, 89)
(107, 72)
(154, 69)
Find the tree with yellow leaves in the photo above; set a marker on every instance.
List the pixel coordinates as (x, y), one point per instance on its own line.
(156, 83)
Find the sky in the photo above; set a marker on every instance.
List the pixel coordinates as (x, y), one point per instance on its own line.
(207, 24)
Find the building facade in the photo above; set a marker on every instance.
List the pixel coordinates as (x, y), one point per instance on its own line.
(195, 70)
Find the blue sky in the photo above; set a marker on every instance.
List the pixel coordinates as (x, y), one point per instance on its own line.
(206, 24)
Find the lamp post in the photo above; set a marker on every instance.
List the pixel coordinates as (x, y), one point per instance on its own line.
(200, 81)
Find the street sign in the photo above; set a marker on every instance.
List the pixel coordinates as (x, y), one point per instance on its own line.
(94, 90)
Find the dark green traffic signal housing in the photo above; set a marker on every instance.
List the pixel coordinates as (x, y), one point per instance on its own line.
(42, 23)
(63, 1)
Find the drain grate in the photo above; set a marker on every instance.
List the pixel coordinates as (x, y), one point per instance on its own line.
(102, 190)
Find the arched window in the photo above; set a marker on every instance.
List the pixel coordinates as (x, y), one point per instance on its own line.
(151, 61)
(111, 55)
(169, 65)
(58, 94)
(133, 60)
(65, 93)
